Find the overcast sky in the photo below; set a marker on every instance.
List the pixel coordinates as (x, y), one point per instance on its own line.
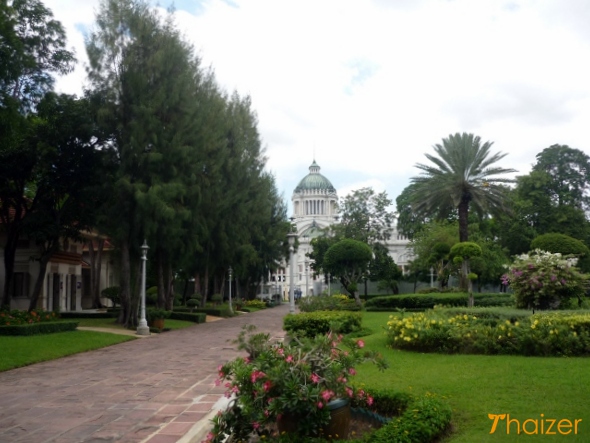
(368, 86)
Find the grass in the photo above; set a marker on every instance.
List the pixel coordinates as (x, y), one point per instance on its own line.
(26, 350)
(475, 386)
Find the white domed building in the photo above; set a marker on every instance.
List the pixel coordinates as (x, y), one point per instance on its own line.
(315, 206)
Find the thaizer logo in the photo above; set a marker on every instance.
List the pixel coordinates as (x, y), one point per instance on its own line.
(534, 426)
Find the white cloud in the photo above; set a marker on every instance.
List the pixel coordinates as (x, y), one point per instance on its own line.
(371, 86)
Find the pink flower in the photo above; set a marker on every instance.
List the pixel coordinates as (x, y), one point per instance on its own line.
(349, 392)
(360, 344)
(281, 351)
(267, 385)
(369, 400)
(217, 382)
(341, 379)
(266, 413)
(289, 359)
(320, 405)
(315, 378)
(255, 425)
(351, 371)
(327, 395)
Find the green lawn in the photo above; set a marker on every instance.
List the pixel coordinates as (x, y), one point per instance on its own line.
(22, 351)
(475, 386)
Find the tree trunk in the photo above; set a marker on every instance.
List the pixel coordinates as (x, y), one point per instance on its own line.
(169, 288)
(161, 302)
(464, 219)
(205, 287)
(39, 282)
(95, 271)
(126, 307)
(9, 257)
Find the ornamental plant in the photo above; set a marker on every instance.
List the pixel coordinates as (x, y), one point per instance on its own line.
(299, 379)
(544, 280)
(17, 317)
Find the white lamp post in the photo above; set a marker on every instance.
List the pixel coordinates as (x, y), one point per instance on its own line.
(142, 327)
(291, 236)
(230, 274)
(306, 263)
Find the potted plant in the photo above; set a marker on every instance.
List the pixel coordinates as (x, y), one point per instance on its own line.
(156, 317)
(295, 387)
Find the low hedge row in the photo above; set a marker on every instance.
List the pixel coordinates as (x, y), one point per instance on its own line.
(336, 302)
(216, 312)
(111, 314)
(39, 328)
(421, 302)
(311, 324)
(195, 317)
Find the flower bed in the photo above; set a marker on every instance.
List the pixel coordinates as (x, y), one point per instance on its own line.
(545, 334)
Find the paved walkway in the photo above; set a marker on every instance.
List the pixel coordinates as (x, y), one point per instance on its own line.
(155, 390)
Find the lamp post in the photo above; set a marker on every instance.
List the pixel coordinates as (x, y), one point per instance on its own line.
(142, 327)
(306, 263)
(230, 274)
(291, 236)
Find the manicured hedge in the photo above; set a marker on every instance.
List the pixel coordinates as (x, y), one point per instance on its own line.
(196, 317)
(311, 324)
(88, 314)
(39, 328)
(216, 312)
(421, 302)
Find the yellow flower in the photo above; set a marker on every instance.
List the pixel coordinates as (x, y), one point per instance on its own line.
(533, 326)
(516, 323)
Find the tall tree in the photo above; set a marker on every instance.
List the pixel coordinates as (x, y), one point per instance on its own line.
(569, 170)
(366, 217)
(33, 48)
(462, 177)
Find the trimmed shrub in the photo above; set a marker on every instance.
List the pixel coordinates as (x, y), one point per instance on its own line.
(197, 317)
(311, 324)
(421, 302)
(564, 244)
(425, 419)
(216, 312)
(113, 293)
(39, 328)
(258, 304)
(336, 302)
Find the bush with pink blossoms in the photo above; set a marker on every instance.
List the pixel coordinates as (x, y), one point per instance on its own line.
(300, 378)
(544, 280)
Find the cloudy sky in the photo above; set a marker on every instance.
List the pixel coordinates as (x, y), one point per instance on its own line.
(368, 86)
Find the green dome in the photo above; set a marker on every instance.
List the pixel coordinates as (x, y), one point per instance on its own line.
(314, 180)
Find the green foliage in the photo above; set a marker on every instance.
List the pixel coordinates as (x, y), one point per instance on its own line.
(465, 250)
(416, 302)
(258, 304)
(471, 333)
(278, 379)
(310, 324)
(334, 302)
(348, 260)
(217, 298)
(561, 243)
(462, 176)
(113, 293)
(189, 316)
(157, 314)
(17, 317)
(425, 419)
(544, 280)
(38, 328)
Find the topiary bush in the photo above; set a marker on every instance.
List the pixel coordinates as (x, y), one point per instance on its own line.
(113, 293)
(310, 324)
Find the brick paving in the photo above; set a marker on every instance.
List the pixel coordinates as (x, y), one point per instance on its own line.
(160, 389)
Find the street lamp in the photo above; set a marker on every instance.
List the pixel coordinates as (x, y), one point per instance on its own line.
(291, 236)
(142, 327)
(230, 275)
(306, 263)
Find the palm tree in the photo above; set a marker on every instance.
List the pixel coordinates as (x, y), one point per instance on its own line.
(462, 177)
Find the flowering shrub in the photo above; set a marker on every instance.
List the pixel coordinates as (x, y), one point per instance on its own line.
(258, 304)
(16, 317)
(543, 280)
(541, 334)
(277, 379)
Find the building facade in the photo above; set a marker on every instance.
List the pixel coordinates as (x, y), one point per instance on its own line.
(315, 207)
